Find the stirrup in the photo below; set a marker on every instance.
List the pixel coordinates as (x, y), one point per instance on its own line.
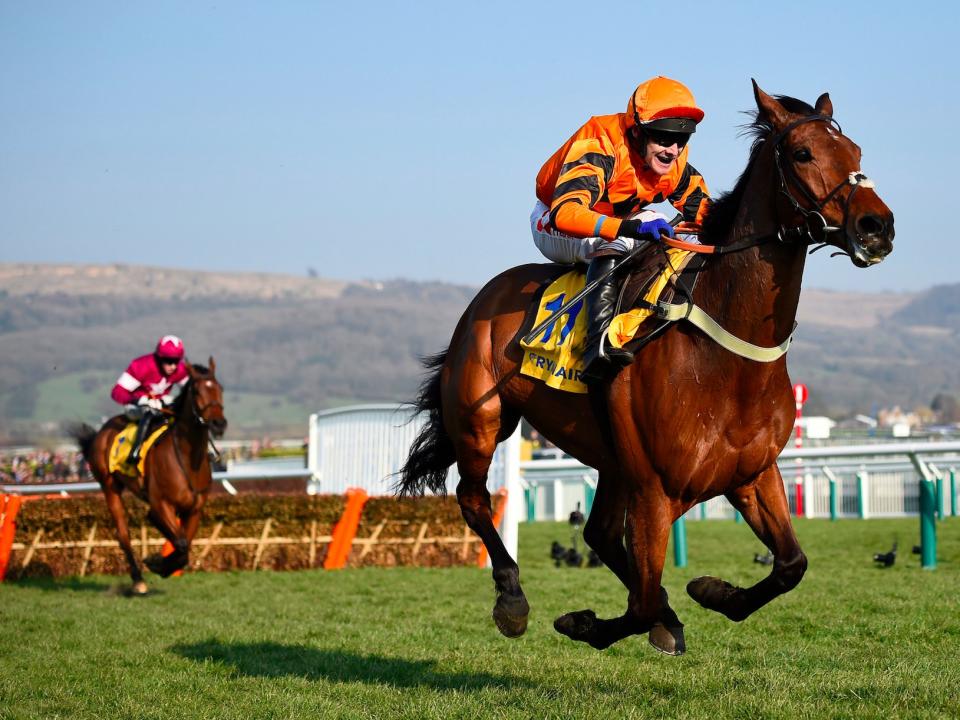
(602, 364)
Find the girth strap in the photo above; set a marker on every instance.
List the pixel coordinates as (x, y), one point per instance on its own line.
(695, 315)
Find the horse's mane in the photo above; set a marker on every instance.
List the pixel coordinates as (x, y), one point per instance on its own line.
(178, 402)
(723, 211)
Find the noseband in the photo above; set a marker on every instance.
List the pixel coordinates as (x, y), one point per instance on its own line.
(814, 228)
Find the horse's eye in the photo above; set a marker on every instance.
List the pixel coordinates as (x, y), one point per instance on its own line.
(802, 155)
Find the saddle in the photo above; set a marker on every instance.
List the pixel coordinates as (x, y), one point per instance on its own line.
(555, 356)
(123, 443)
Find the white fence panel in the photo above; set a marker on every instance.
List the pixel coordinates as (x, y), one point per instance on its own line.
(363, 446)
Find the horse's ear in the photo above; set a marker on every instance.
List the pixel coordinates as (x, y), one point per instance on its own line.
(212, 365)
(824, 106)
(770, 107)
(190, 371)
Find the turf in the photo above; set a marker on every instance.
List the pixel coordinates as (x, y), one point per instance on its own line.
(851, 641)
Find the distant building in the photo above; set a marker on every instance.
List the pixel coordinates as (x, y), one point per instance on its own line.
(817, 427)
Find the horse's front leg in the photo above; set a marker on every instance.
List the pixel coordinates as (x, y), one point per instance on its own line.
(190, 520)
(648, 522)
(119, 514)
(763, 504)
(604, 532)
(163, 515)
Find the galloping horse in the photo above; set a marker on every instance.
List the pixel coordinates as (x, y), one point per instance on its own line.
(177, 474)
(688, 420)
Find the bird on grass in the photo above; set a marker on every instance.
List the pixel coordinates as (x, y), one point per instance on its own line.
(763, 559)
(888, 558)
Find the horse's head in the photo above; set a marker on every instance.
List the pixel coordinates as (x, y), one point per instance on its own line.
(823, 192)
(206, 397)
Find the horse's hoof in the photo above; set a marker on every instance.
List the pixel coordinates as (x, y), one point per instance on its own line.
(576, 625)
(717, 595)
(510, 614)
(165, 566)
(668, 640)
(139, 589)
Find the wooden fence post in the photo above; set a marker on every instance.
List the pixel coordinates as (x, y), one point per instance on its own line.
(88, 550)
(263, 539)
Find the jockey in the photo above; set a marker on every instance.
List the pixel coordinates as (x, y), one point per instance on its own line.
(591, 192)
(148, 384)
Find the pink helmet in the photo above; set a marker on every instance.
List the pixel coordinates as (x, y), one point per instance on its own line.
(170, 346)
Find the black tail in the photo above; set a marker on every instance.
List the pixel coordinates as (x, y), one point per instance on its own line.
(432, 452)
(84, 435)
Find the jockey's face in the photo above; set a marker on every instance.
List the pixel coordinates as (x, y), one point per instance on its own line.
(167, 365)
(662, 150)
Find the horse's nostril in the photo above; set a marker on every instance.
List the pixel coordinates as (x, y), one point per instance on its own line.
(870, 225)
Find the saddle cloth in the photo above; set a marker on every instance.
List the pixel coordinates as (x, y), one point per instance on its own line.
(122, 444)
(556, 356)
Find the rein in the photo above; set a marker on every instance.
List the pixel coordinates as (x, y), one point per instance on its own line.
(812, 231)
(204, 426)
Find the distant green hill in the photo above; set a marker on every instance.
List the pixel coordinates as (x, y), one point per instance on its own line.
(288, 346)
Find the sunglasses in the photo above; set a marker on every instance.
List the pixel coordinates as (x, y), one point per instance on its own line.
(169, 361)
(668, 139)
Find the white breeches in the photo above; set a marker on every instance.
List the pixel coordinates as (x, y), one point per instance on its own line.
(568, 250)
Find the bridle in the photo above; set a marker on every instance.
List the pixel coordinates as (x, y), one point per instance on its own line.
(197, 416)
(814, 229)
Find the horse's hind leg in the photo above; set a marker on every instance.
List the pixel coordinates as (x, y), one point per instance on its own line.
(604, 532)
(475, 444)
(119, 513)
(764, 506)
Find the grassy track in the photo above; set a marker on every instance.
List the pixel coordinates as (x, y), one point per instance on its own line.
(851, 641)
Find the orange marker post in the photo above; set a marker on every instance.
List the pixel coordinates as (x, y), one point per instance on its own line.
(498, 511)
(345, 530)
(9, 507)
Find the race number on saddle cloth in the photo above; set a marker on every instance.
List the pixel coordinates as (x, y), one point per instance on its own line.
(555, 355)
(122, 444)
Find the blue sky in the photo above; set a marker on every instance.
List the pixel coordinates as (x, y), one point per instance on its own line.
(384, 140)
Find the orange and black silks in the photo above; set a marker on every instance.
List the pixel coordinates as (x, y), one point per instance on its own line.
(595, 179)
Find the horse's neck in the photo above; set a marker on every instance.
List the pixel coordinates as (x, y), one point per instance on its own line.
(191, 436)
(754, 293)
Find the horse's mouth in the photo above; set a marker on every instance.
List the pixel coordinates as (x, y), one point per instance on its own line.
(868, 250)
(218, 427)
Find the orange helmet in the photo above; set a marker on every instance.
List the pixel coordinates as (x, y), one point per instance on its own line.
(663, 104)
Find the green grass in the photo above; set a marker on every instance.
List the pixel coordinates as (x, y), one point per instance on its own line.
(851, 641)
(73, 396)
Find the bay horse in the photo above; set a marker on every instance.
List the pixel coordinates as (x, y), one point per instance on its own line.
(177, 475)
(689, 420)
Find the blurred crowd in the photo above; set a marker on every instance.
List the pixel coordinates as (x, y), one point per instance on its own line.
(35, 466)
(42, 466)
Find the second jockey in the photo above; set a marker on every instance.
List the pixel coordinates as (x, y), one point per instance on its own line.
(591, 192)
(150, 383)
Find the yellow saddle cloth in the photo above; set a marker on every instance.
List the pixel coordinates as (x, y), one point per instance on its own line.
(122, 444)
(556, 356)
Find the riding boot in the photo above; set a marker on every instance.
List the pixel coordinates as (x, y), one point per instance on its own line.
(139, 437)
(602, 360)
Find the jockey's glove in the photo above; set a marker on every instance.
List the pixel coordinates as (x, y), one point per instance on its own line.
(152, 403)
(639, 230)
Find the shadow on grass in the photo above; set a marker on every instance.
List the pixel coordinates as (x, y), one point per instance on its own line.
(76, 584)
(68, 584)
(271, 660)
